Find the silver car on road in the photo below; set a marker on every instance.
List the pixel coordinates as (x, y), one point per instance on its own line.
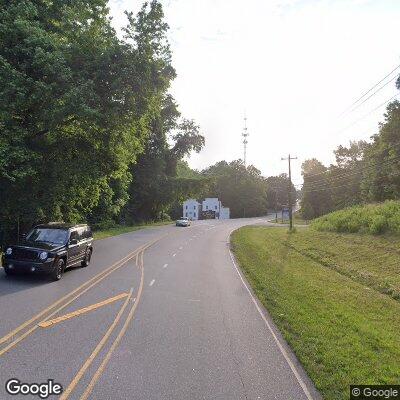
(183, 221)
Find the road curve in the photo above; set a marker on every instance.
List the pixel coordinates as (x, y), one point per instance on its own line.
(166, 315)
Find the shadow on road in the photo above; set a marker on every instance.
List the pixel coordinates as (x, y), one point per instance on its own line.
(16, 283)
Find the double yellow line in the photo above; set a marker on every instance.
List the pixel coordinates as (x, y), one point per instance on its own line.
(101, 344)
(64, 301)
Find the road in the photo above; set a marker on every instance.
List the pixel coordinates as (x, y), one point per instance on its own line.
(184, 325)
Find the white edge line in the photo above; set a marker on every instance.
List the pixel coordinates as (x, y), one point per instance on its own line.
(281, 348)
(152, 282)
(165, 266)
(173, 255)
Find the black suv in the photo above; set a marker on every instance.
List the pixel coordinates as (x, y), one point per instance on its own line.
(50, 248)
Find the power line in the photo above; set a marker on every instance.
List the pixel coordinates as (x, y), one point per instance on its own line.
(322, 173)
(323, 182)
(373, 94)
(352, 173)
(369, 90)
(355, 106)
(327, 188)
(366, 115)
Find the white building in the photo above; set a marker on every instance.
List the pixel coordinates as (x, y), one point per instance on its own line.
(212, 204)
(225, 213)
(191, 209)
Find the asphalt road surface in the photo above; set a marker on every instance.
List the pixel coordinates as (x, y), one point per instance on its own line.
(163, 313)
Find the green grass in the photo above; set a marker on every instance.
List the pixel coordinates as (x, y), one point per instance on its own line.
(120, 229)
(324, 292)
(371, 218)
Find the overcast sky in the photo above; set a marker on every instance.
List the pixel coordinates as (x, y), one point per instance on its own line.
(292, 65)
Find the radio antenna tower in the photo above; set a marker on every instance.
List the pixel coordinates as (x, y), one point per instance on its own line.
(245, 134)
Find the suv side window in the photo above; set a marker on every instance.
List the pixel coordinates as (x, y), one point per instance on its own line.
(74, 236)
(89, 233)
(81, 233)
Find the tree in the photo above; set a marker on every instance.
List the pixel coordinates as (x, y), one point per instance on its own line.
(77, 106)
(346, 176)
(316, 192)
(277, 191)
(240, 188)
(156, 185)
(62, 125)
(381, 179)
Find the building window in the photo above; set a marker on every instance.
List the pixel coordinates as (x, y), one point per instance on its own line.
(194, 214)
(194, 207)
(186, 207)
(206, 207)
(186, 214)
(216, 207)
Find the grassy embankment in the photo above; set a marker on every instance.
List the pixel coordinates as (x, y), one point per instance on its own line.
(120, 229)
(334, 296)
(372, 218)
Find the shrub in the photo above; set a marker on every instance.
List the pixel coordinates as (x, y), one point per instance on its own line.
(107, 224)
(371, 218)
(378, 224)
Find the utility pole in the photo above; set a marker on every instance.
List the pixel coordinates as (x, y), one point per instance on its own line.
(245, 134)
(290, 191)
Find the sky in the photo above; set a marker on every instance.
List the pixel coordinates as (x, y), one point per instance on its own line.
(293, 67)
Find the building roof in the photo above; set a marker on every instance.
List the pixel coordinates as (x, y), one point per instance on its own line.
(190, 200)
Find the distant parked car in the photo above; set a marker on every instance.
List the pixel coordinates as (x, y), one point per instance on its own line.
(183, 222)
(50, 248)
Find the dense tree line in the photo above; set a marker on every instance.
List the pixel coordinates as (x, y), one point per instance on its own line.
(240, 188)
(363, 172)
(88, 130)
(244, 190)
